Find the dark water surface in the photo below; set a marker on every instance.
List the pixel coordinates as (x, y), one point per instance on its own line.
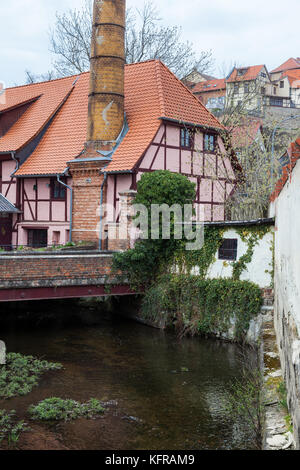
(169, 394)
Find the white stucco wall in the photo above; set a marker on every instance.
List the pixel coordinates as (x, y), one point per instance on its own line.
(287, 246)
(287, 291)
(256, 269)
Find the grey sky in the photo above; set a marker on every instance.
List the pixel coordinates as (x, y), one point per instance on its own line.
(247, 32)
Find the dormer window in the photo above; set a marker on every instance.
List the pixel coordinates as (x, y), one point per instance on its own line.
(241, 72)
(185, 139)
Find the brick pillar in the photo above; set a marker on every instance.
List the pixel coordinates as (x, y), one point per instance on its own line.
(121, 236)
(87, 181)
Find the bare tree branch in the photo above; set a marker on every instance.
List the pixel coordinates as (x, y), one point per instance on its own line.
(146, 38)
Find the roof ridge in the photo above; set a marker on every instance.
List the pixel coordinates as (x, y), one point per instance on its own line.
(141, 62)
(192, 94)
(160, 87)
(46, 81)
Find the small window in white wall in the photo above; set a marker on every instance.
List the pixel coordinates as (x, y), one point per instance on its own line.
(228, 249)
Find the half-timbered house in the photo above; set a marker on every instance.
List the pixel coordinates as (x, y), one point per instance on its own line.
(53, 179)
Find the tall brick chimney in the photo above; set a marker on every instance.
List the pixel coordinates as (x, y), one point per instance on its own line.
(106, 98)
(105, 117)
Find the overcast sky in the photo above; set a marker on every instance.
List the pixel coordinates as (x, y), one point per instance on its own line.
(246, 32)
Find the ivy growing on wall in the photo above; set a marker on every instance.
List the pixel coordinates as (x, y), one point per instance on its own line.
(251, 237)
(203, 306)
(164, 268)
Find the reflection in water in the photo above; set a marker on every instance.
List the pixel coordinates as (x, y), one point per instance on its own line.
(169, 393)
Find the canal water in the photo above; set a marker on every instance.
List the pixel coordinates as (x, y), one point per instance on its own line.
(165, 394)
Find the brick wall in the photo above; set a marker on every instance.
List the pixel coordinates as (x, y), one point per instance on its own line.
(42, 270)
(86, 181)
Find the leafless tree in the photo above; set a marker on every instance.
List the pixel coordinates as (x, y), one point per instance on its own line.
(33, 78)
(146, 38)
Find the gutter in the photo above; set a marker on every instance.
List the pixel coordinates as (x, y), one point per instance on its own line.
(192, 124)
(71, 203)
(234, 223)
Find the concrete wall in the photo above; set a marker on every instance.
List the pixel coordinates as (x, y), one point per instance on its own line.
(287, 290)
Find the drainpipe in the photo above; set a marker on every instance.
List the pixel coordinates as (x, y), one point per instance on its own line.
(13, 156)
(101, 215)
(71, 204)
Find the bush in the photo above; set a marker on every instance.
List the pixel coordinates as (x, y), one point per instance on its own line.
(142, 264)
(56, 409)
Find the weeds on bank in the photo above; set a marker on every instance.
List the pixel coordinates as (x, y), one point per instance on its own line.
(244, 400)
(21, 374)
(57, 409)
(10, 428)
(283, 402)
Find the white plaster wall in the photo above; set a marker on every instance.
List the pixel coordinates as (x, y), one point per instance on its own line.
(287, 247)
(256, 269)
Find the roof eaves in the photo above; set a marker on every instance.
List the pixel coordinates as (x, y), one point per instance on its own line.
(192, 124)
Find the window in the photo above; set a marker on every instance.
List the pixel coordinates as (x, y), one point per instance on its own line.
(236, 88)
(185, 138)
(263, 74)
(282, 84)
(241, 72)
(209, 142)
(246, 88)
(274, 90)
(228, 249)
(263, 90)
(37, 238)
(58, 190)
(276, 101)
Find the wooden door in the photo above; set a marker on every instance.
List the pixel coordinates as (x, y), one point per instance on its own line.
(5, 231)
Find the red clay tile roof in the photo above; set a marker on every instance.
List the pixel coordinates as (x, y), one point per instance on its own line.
(210, 85)
(251, 73)
(293, 76)
(151, 92)
(245, 135)
(49, 97)
(288, 65)
(294, 155)
(65, 138)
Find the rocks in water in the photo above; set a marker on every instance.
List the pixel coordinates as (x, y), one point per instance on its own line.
(133, 419)
(2, 353)
(279, 441)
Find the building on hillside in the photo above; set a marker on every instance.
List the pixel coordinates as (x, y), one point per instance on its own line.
(212, 94)
(255, 91)
(195, 77)
(66, 148)
(250, 89)
(247, 135)
(290, 64)
(285, 206)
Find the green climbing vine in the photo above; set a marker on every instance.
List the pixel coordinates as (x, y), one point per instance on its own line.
(175, 281)
(204, 258)
(251, 236)
(203, 306)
